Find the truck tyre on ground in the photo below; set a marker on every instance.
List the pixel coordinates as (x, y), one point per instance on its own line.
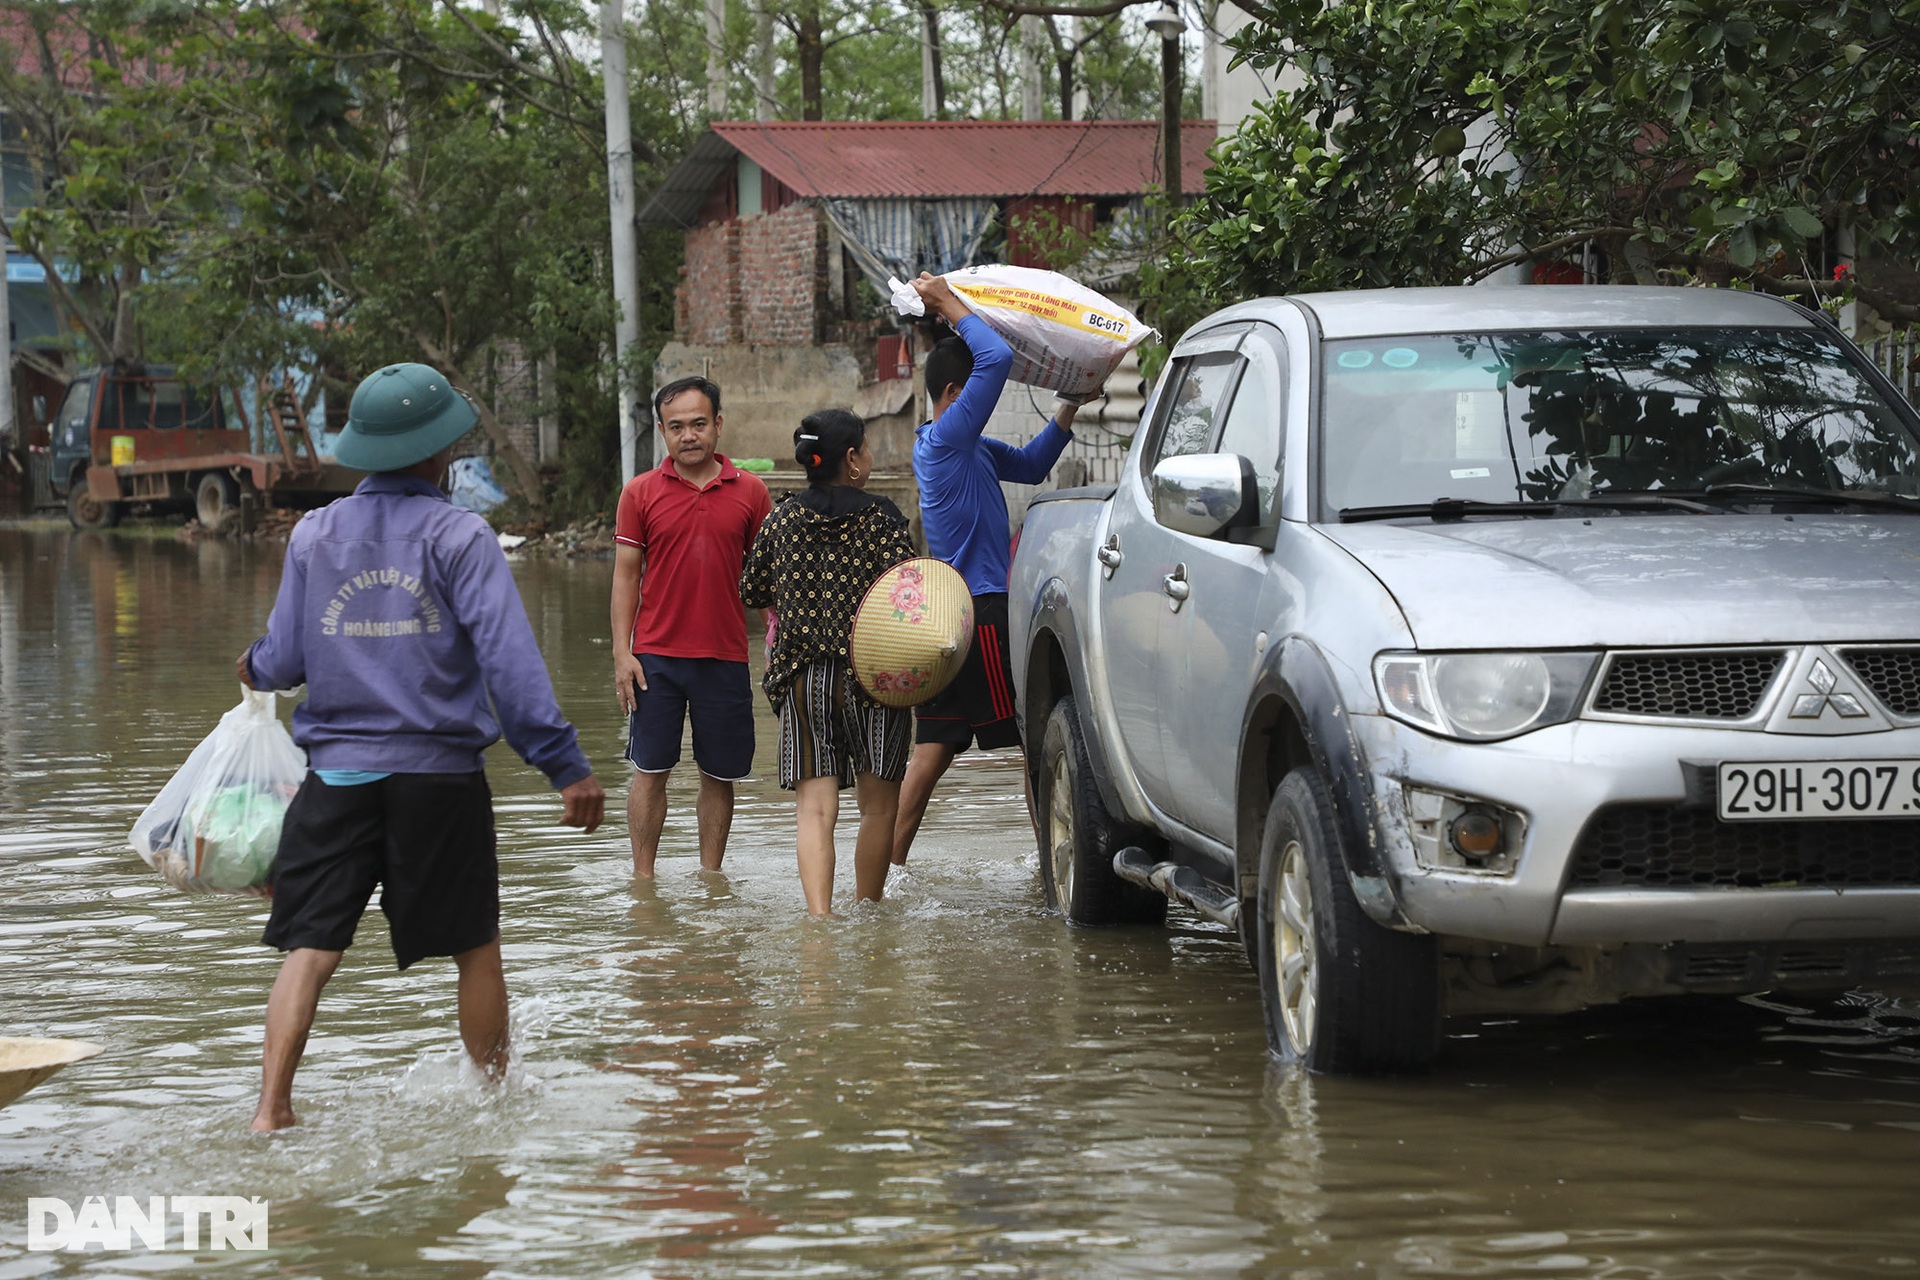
(1342, 994)
(215, 499)
(84, 511)
(1078, 837)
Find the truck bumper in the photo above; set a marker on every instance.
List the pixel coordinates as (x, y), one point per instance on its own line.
(1554, 782)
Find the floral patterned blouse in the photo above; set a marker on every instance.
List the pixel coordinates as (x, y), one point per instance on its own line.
(812, 564)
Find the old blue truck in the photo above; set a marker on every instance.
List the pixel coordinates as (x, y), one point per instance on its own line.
(145, 438)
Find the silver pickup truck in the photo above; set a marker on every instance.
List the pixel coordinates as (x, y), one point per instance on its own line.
(1481, 649)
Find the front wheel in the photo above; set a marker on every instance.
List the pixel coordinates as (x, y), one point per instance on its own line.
(1342, 994)
(84, 511)
(1078, 837)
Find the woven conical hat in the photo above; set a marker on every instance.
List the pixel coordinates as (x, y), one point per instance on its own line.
(912, 632)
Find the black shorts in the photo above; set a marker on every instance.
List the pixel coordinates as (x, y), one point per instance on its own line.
(425, 839)
(717, 695)
(977, 708)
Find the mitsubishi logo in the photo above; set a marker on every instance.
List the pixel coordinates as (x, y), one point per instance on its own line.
(1811, 706)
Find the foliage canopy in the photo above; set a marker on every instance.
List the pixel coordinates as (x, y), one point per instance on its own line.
(1428, 143)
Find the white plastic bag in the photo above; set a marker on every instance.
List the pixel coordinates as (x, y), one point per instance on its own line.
(215, 826)
(1065, 337)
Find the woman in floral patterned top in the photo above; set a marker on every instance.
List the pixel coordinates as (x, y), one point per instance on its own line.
(814, 560)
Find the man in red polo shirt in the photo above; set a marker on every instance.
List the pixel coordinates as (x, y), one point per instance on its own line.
(680, 646)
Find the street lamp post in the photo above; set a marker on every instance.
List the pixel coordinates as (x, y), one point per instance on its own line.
(1167, 23)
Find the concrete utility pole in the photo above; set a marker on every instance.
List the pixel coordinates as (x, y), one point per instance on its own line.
(716, 59)
(763, 63)
(9, 430)
(1082, 100)
(1169, 26)
(929, 100)
(1032, 86)
(624, 212)
(1210, 60)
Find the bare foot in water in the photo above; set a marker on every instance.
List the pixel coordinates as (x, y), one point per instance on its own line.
(268, 1119)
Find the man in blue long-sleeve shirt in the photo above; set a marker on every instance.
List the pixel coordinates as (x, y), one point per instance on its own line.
(398, 612)
(963, 512)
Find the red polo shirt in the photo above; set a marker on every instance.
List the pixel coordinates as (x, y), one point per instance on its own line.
(695, 541)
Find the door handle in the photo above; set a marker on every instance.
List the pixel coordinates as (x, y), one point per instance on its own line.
(1109, 555)
(1177, 587)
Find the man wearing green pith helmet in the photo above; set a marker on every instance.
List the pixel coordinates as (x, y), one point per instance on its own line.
(398, 612)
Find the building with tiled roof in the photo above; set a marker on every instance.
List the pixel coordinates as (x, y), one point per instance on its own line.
(788, 223)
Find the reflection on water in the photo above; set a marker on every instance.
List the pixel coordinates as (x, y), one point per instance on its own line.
(947, 1083)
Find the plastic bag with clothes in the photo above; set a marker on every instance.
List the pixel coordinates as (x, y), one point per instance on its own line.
(215, 826)
(1066, 338)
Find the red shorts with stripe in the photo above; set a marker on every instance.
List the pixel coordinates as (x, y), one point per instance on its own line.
(977, 708)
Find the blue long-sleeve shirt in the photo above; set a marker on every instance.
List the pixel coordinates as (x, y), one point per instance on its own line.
(959, 468)
(398, 612)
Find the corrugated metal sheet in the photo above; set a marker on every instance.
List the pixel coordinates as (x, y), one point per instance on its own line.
(934, 159)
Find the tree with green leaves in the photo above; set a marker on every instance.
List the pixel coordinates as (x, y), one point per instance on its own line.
(126, 167)
(1430, 143)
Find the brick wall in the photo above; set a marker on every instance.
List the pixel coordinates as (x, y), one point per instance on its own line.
(760, 280)
(783, 276)
(709, 297)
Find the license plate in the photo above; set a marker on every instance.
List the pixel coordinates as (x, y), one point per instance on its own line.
(1819, 789)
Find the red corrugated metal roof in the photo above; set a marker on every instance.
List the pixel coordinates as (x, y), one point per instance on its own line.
(929, 159)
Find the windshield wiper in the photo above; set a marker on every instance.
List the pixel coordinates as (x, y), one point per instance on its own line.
(1445, 509)
(1653, 499)
(1460, 508)
(1844, 497)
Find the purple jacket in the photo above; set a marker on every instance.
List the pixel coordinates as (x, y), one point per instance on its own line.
(399, 614)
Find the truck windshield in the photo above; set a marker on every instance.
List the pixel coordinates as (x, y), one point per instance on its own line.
(161, 404)
(1559, 416)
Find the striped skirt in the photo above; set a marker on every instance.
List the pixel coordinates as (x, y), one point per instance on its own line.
(828, 730)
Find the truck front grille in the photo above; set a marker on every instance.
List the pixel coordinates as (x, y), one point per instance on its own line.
(1660, 847)
(1689, 686)
(1892, 674)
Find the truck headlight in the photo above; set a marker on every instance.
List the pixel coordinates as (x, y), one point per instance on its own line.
(1482, 696)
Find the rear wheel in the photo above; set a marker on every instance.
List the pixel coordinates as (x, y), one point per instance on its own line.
(1342, 994)
(84, 511)
(215, 498)
(1079, 837)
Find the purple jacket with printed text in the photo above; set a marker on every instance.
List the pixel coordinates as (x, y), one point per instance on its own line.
(398, 612)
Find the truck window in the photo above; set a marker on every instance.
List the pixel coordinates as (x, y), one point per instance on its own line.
(76, 408)
(1197, 392)
(165, 401)
(122, 406)
(200, 408)
(1252, 428)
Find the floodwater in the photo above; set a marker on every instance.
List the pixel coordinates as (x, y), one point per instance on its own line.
(708, 1084)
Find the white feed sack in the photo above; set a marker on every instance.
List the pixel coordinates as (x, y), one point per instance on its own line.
(1065, 337)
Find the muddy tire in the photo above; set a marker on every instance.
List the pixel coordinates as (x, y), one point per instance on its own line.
(1341, 993)
(1078, 837)
(215, 500)
(84, 511)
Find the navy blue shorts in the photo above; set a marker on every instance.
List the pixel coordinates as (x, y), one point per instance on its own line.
(977, 708)
(425, 840)
(716, 694)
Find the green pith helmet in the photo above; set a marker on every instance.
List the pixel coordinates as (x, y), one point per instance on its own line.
(400, 415)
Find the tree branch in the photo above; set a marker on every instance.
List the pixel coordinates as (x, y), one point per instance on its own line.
(1017, 9)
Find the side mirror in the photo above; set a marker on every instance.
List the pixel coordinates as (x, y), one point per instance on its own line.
(38, 409)
(1205, 494)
